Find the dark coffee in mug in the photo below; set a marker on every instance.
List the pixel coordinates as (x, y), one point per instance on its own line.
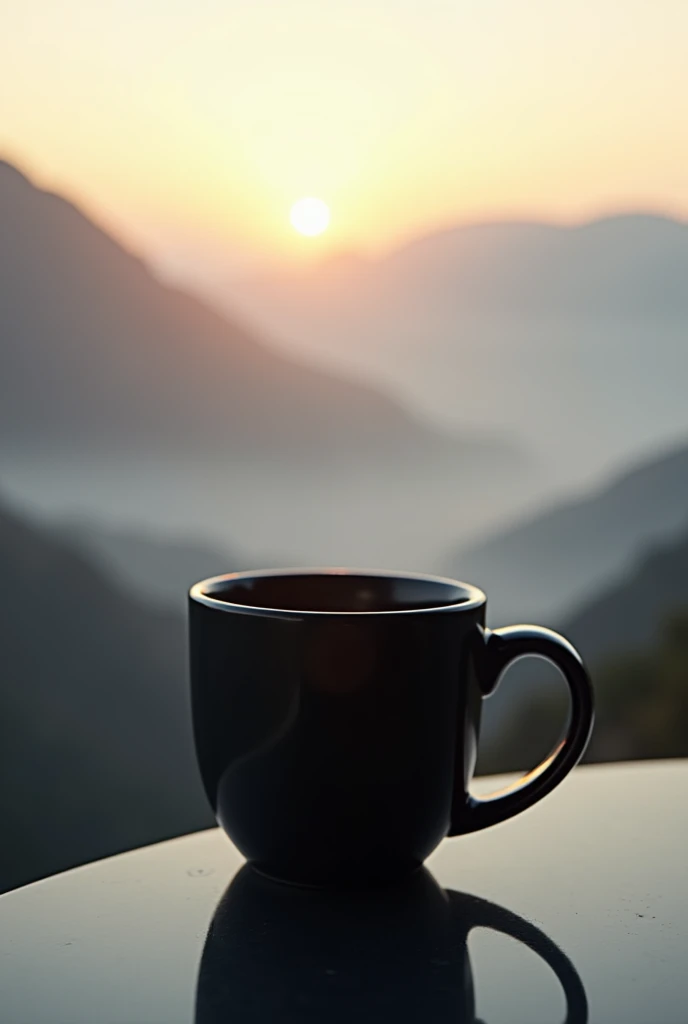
(337, 713)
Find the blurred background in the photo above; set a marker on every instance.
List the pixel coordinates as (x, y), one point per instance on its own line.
(465, 352)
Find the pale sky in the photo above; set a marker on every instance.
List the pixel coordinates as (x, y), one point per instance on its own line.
(190, 126)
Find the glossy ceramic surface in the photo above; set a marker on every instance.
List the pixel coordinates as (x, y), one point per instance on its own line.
(589, 889)
(337, 713)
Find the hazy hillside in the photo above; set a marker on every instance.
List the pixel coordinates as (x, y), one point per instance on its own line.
(627, 616)
(633, 635)
(512, 267)
(541, 568)
(134, 404)
(97, 353)
(96, 753)
(158, 569)
(571, 337)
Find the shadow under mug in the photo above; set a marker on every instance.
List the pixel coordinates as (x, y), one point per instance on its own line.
(336, 716)
(276, 954)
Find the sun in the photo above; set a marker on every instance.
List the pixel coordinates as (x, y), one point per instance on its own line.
(310, 216)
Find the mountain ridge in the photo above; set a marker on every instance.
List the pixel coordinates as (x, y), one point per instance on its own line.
(95, 730)
(569, 337)
(486, 238)
(156, 365)
(627, 615)
(632, 633)
(546, 563)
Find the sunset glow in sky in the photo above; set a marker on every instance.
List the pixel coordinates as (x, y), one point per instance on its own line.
(191, 128)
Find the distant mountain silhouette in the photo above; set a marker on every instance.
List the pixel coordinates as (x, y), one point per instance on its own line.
(153, 568)
(572, 337)
(96, 752)
(97, 354)
(633, 635)
(627, 615)
(514, 267)
(539, 569)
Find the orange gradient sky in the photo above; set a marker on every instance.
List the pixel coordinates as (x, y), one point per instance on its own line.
(191, 128)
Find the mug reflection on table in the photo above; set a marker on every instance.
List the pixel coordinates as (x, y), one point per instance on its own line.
(281, 954)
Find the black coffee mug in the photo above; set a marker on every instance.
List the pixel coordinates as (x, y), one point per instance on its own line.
(336, 716)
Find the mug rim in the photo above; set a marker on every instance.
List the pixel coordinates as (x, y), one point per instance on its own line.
(202, 592)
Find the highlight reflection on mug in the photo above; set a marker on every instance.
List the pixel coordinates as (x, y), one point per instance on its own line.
(275, 953)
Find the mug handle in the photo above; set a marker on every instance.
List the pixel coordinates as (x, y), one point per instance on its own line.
(501, 648)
